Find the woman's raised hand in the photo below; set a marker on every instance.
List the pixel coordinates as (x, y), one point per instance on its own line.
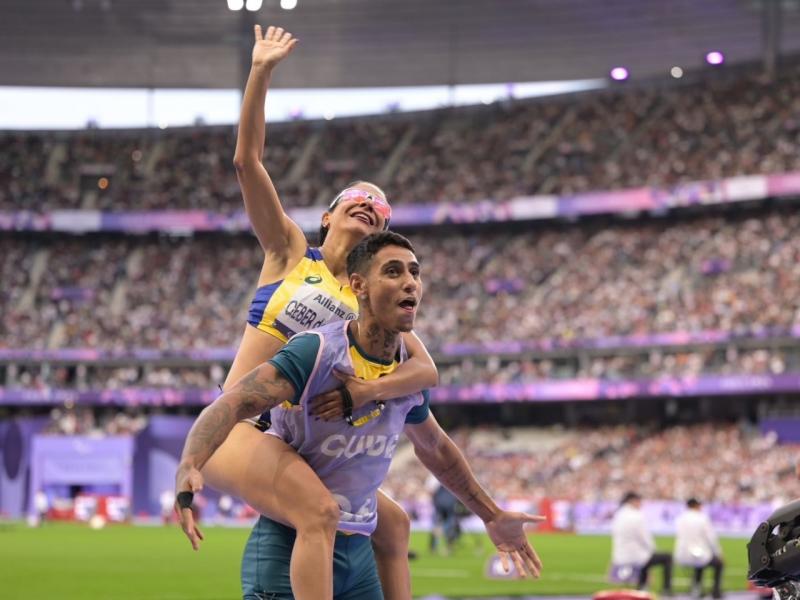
(271, 48)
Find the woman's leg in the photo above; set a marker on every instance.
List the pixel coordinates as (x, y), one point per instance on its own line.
(271, 477)
(390, 543)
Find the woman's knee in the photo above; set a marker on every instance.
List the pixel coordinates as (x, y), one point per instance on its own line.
(322, 516)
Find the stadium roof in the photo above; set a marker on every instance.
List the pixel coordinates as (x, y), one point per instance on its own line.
(198, 43)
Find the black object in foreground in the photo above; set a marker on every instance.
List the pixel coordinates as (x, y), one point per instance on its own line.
(185, 499)
(774, 554)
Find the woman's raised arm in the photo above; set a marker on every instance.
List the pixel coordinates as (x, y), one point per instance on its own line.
(276, 233)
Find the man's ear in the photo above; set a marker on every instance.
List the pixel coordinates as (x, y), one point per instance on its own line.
(358, 283)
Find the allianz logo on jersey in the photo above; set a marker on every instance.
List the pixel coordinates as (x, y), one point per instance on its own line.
(339, 445)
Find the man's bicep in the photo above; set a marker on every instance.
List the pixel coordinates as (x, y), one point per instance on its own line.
(296, 361)
(261, 389)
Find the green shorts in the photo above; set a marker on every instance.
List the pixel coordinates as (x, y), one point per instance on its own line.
(265, 565)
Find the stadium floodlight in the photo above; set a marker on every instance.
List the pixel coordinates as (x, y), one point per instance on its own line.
(235, 4)
(288, 4)
(619, 73)
(715, 58)
(676, 72)
(253, 5)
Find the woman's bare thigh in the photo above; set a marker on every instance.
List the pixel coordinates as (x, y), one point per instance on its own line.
(259, 468)
(256, 348)
(267, 473)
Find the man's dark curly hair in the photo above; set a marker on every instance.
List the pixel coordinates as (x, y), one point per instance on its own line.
(360, 257)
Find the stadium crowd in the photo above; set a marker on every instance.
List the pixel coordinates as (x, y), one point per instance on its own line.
(653, 364)
(611, 139)
(710, 273)
(726, 463)
(88, 421)
(734, 464)
(93, 377)
(484, 369)
(740, 275)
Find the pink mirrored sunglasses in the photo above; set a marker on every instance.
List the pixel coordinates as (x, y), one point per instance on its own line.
(379, 204)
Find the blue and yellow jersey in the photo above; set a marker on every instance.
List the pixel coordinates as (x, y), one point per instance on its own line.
(307, 298)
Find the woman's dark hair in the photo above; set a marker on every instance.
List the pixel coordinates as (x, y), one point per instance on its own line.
(361, 256)
(323, 230)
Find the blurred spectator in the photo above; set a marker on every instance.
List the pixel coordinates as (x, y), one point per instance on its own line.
(697, 546)
(84, 420)
(166, 500)
(633, 545)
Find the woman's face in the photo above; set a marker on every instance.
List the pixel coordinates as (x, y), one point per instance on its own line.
(361, 207)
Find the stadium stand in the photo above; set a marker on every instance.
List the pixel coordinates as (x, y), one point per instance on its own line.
(565, 297)
(728, 463)
(716, 128)
(737, 274)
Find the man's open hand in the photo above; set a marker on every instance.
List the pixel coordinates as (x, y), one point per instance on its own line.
(507, 531)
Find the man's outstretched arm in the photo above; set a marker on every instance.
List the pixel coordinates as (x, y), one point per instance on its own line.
(442, 457)
(258, 391)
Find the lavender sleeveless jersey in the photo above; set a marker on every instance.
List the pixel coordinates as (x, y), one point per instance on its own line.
(351, 461)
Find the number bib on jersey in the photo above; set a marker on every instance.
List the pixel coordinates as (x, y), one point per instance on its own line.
(309, 308)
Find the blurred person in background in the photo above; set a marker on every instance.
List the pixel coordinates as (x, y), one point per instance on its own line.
(41, 504)
(167, 502)
(225, 506)
(697, 546)
(632, 543)
(446, 529)
(301, 287)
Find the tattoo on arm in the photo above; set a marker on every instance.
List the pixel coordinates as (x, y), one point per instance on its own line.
(252, 395)
(257, 393)
(450, 467)
(208, 432)
(458, 478)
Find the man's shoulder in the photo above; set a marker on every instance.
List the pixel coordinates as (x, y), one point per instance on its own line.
(316, 336)
(336, 328)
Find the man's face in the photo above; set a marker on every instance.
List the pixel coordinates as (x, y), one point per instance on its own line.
(393, 288)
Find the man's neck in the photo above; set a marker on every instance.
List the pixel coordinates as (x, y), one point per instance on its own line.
(375, 340)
